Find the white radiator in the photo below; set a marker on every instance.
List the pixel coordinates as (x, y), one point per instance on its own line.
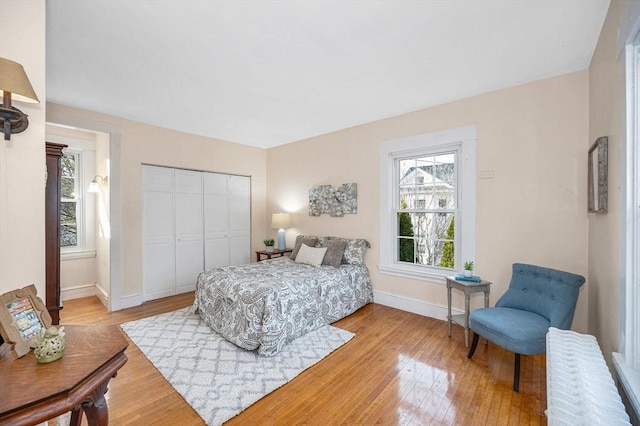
(580, 389)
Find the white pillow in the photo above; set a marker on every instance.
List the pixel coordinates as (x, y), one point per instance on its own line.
(311, 255)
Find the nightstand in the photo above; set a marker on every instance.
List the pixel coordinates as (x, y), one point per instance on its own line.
(468, 287)
(271, 254)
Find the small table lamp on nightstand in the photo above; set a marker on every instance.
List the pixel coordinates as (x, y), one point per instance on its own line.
(280, 221)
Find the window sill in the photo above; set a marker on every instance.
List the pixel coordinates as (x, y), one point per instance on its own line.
(629, 379)
(416, 273)
(74, 255)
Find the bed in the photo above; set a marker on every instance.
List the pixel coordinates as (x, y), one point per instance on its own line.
(263, 306)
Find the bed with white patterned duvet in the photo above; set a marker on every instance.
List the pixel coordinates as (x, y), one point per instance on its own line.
(263, 306)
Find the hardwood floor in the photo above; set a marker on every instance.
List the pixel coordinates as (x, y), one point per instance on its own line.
(399, 369)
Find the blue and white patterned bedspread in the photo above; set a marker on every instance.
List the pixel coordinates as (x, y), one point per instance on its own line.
(266, 305)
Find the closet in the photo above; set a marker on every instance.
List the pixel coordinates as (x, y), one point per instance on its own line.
(192, 221)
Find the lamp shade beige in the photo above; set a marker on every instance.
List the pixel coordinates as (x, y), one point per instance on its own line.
(280, 220)
(13, 79)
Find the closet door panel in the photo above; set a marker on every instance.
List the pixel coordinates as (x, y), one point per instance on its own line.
(239, 250)
(158, 251)
(158, 271)
(189, 257)
(216, 220)
(239, 204)
(216, 252)
(240, 220)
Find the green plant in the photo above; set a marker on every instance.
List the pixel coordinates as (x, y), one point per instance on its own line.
(468, 265)
(269, 242)
(447, 259)
(405, 229)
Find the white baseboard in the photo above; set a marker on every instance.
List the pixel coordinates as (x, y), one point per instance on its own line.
(77, 292)
(126, 302)
(102, 294)
(415, 306)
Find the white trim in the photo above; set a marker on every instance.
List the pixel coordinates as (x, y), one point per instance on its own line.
(629, 379)
(415, 306)
(463, 139)
(125, 302)
(102, 295)
(74, 255)
(415, 272)
(629, 26)
(627, 360)
(78, 292)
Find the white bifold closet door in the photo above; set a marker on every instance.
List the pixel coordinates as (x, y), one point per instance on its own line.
(189, 229)
(158, 238)
(227, 220)
(192, 221)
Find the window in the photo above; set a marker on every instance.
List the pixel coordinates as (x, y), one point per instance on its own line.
(70, 202)
(77, 208)
(627, 360)
(425, 225)
(427, 212)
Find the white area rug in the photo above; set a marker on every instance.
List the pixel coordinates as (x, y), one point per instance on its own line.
(215, 377)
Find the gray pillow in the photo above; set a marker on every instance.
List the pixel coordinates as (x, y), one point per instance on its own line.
(335, 251)
(302, 239)
(354, 252)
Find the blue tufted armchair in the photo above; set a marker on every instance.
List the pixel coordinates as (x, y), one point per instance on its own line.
(537, 298)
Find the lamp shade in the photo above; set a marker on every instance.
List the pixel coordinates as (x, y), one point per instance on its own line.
(13, 79)
(280, 220)
(93, 187)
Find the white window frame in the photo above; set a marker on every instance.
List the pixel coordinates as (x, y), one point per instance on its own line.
(463, 141)
(627, 360)
(86, 247)
(79, 200)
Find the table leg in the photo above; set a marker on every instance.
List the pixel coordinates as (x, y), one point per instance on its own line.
(95, 406)
(466, 320)
(486, 305)
(449, 310)
(76, 416)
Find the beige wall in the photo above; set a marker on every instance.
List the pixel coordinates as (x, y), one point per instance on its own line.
(22, 160)
(532, 137)
(141, 143)
(607, 118)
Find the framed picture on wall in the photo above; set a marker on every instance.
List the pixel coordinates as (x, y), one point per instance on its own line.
(598, 176)
(22, 317)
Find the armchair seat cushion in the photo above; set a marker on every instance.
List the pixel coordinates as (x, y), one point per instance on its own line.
(519, 331)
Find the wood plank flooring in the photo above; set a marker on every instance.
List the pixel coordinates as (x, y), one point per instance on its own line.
(399, 369)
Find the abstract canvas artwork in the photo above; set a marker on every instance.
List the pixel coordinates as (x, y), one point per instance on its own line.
(337, 202)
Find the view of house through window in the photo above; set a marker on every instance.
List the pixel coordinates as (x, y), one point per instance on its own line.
(426, 208)
(69, 201)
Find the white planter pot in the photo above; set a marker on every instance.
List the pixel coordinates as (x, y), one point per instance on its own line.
(269, 249)
(468, 273)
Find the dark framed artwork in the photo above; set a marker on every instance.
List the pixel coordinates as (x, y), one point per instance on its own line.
(597, 176)
(22, 317)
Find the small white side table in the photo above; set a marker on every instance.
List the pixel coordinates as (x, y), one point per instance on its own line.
(468, 287)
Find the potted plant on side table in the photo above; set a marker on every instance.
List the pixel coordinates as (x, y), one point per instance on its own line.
(268, 244)
(468, 268)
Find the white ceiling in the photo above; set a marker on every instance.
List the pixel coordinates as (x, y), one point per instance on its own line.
(266, 73)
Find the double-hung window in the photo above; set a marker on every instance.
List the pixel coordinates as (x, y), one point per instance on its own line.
(77, 208)
(427, 211)
(70, 202)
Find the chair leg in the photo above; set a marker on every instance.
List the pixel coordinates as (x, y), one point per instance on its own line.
(474, 344)
(516, 374)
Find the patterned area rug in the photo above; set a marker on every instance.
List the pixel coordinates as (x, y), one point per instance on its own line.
(215, 377)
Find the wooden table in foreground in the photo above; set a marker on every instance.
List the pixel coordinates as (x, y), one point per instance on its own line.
(31, 393)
